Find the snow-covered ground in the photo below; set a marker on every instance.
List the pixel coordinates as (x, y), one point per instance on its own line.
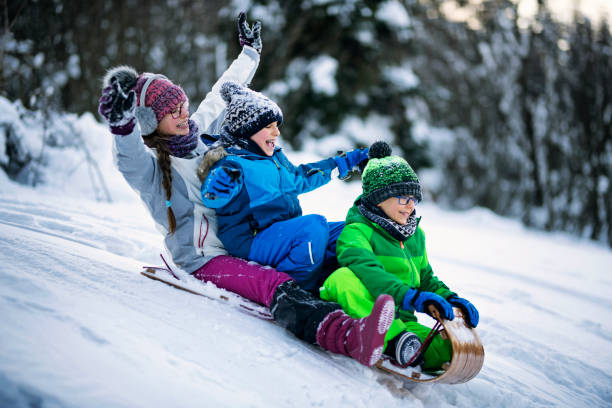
(81, 328)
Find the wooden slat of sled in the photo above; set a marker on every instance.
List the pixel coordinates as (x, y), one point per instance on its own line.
(468, 353)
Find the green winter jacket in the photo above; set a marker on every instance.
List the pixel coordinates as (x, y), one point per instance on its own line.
(384, 264)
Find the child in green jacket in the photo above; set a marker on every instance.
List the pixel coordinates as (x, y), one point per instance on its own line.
(382, 250)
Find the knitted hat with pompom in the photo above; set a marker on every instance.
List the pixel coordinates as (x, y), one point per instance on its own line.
(388, 176)
(162, 96)
(247, 111)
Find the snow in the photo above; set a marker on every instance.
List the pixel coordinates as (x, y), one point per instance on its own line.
(403, 77)
(322, 75)
(394, 13)
(353, 131)
(82, 328)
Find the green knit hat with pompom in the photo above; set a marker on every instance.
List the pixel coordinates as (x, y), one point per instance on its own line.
(388, 176)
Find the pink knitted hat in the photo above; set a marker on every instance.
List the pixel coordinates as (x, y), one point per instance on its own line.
(162, 95)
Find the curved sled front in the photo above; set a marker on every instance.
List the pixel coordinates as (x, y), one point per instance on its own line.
(467, 360)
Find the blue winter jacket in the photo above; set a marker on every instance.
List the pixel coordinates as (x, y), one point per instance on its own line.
(263, 192)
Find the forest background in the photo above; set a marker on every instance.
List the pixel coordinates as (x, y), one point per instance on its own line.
(492, 109)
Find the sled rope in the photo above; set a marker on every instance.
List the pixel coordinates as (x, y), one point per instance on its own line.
(167, 268)
(425, 345)
(432, 333)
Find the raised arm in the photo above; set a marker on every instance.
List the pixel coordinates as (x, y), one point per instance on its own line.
(133, 159)
(209, 115)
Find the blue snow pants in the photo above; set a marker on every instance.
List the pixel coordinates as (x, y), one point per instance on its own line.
(299, 247)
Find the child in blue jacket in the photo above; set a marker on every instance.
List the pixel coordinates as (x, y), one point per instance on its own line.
(253, 187)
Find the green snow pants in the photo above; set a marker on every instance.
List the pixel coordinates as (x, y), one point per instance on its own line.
(343, 287)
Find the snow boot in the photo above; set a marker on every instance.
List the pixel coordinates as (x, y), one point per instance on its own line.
(362, 339)
(299, 311)
(403, 349)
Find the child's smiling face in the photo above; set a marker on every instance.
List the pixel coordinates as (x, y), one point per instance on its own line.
(176, 122)
(266, 138)
(396, 211)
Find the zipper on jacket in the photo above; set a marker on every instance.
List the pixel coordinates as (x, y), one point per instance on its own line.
(290, 204)
(412, 275)
(202, 239)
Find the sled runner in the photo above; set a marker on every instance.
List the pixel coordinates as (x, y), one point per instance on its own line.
(468, 352)
(166, 276)
(467, 360)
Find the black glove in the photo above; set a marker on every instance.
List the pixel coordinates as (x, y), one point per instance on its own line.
(249, 36)
(118, 108)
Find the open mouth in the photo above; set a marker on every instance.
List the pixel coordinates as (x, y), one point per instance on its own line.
(183, 125)
(271, 143)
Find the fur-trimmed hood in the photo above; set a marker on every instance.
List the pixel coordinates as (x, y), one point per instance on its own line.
(210, 158)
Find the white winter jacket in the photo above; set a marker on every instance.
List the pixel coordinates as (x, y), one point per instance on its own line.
(195, 240)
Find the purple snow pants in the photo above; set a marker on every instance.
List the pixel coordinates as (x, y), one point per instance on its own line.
(249, 280)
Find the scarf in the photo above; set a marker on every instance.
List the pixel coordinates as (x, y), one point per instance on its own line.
(182, 145)
(377, 216)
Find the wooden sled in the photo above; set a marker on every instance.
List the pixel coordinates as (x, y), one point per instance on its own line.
(465, 364)
(244, 305)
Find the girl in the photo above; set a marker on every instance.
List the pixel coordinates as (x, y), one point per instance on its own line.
(382, 250)
(254, 189)
(150, 108)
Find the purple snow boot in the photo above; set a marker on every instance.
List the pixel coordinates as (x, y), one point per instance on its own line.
(362, 339)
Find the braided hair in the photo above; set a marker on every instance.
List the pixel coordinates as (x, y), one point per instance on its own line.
(157, 142)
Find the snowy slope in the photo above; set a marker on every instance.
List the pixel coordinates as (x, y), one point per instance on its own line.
(81, 328)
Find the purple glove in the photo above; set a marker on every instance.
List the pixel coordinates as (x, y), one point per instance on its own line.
(249, 36)
(350, 161)
(417, 300)
(118, 108)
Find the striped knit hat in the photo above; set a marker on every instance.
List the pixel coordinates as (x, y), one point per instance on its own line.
(388, 176)
(248, 111)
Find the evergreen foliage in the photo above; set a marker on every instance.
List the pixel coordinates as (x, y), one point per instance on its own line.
(528, 106)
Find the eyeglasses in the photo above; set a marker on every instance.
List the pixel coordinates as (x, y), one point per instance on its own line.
(403, 200)
(178, 111)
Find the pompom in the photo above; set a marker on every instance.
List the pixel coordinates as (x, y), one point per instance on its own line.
(126, 76)
(379, 149)
(228, 89)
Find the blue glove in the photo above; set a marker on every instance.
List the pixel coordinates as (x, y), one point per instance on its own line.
(220, 186)
(417, 300)
(470, 313)
(349, 161)
(249, 36)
